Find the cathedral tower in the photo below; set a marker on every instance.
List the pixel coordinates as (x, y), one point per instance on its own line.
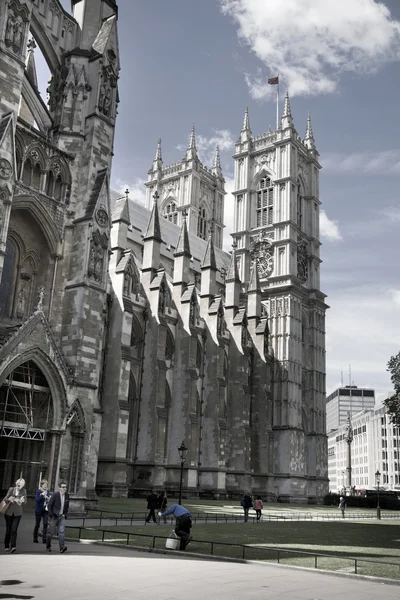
(276, 229)
(189, 185)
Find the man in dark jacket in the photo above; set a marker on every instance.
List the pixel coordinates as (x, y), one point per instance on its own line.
(41, 510)
(58, 512)
(152, 505)
(247, 503)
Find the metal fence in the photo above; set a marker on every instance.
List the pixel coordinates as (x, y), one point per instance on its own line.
(201, 517)
(244, 552)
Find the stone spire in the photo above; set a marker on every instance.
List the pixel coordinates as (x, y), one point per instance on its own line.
(232, 282)
(30, 68)
(287, 119)
(191, 152)
(245, 134)
(208, 275)
(254, 294)
(216, 169)
(153, 229)
(182, 256)
(309, 141)
(233, 273)
(209, 261)
(157, 162)
(183, 246)
(152, 241)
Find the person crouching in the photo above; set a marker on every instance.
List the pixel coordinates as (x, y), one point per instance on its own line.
(183, 523)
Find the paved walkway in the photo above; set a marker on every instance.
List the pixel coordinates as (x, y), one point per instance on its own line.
(103, 573)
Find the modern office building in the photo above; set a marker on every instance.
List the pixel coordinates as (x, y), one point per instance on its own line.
(348, 399)
(375, 447)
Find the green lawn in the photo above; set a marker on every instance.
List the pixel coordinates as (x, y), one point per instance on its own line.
(196, 505)
(379, 541)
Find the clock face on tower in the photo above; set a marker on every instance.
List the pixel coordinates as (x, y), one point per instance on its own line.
(262, 254)
(5, 169)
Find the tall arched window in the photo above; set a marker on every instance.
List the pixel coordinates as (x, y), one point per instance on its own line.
(36, 176)
(27, 173)
(50, 183)
(7, 285)
(265, 202)
(202, 223)
(58, 188)
(171, 213)
(299, 216)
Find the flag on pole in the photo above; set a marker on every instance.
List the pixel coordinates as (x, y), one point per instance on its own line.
(273, 80)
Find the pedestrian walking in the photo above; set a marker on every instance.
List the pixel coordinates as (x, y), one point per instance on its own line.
(58, 511)
(152, 505)
(41, 511)
(162, 503)
(258, 506)
(183, 523)
(16, 497)
(342, 505)
(246, 503)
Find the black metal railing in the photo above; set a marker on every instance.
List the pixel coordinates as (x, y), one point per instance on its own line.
(206, 518)
(244, 551)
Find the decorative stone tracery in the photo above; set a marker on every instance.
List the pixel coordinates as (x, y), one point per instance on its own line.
(302, 262)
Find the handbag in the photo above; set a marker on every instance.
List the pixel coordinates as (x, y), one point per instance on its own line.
(4, 504)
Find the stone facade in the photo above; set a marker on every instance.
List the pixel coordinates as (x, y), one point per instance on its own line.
(126, 329)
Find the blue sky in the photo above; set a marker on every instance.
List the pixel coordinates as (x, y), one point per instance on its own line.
(185, 61)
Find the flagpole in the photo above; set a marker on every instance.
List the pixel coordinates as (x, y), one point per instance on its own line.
(277, 105)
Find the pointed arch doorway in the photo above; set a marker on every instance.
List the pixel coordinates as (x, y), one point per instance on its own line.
(26, 421)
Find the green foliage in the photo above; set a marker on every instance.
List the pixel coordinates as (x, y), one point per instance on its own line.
(393, 403)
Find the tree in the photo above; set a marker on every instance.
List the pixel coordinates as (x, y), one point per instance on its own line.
(393, 403)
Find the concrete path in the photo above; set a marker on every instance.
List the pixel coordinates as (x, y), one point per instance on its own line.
(103, 572)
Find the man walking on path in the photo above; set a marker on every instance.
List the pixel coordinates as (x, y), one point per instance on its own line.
(152, 505)
(246, 503)
(183, 523)
(41, 511)
(58, 512)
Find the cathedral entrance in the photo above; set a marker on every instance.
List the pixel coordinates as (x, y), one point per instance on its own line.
(26, 418)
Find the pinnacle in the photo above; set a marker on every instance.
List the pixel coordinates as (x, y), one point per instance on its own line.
(286, 109)
(183, 246)
(192, 140)
(209, 261)
(246, 120)
(233, 273)
(254, 283)
(309, 139)
(158, 151)
(153, 229)
(217, 158)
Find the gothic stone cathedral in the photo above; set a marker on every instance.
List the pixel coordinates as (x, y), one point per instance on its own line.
(126, 329)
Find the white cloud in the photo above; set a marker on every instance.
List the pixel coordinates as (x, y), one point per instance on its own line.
(206, 145)
(370, 163)
(137, 190)
(396, 297)
(329, 229)
(310, 43)
(363, 329)
(392, 213)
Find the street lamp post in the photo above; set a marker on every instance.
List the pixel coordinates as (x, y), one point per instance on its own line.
(182, 455)
(378, 508)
